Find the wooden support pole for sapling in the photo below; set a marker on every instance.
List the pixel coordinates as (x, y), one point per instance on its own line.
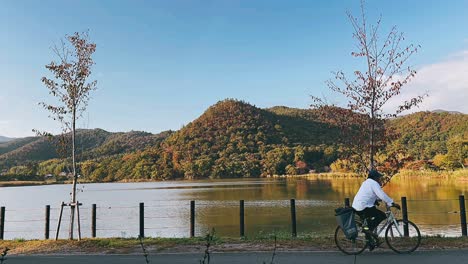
(78, 220)
(59, 221)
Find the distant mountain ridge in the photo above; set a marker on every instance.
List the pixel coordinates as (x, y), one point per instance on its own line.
(91, 143)
(5, 139)
(438, 111)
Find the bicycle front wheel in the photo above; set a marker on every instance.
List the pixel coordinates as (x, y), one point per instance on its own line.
(350, 246)
(403, 237)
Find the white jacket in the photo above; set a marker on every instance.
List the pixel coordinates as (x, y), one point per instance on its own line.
(369, 192)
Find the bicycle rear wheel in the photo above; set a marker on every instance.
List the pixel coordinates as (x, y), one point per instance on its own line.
(396, 239)
(350, 246)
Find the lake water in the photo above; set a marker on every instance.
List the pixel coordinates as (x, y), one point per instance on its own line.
(432, 204)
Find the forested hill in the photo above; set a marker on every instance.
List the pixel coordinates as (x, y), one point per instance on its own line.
(230, 139)
(92, 143)
(426, 134)
(238, 127)
(235, 139)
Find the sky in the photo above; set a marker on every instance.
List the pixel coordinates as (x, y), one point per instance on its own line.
(161, 64)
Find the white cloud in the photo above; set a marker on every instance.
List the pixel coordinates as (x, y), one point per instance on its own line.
(445, 82)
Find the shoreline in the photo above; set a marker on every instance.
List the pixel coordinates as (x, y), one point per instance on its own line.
(461, 175)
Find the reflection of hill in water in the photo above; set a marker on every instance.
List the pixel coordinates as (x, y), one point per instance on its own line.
(427, 188)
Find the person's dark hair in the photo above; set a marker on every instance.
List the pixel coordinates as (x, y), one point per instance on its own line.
(374, 174)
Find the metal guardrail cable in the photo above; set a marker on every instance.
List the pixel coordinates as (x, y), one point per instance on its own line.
(160, 217)
(451, 224)
(23, 221)
(113, 218)
(23, 209)
(432, 200)
(166, 227)
(19, 231)
(218, 215)
(434, 213)
(285, 226)
(117, 207)
(162, 206)
(111, 229)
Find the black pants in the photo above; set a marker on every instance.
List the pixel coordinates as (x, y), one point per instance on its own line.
(373, 215)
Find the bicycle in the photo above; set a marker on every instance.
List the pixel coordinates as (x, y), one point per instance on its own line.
(401, 236)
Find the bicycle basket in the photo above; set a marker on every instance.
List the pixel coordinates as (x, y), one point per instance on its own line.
(345, 219)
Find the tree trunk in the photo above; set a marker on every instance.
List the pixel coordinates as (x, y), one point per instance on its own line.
(73, 201)
(372, 130)
(372, 149)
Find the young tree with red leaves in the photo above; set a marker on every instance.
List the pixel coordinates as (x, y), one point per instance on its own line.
(362, 121)
(71, 87)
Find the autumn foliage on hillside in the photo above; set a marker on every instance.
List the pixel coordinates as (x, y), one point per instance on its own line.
(235, 139)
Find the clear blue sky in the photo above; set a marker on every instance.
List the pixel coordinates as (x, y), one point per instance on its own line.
(160, 64)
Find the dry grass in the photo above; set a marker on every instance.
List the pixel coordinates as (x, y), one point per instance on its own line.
(132, 246)
(433, 174)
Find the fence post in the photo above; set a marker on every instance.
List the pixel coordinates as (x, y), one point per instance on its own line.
(241, 218)
(192, 218)
(47, 222)
(2, 222)
(404, 209)
(346, 202)
(463, 215)
(142, 220)
(93, 221)
(293, 217)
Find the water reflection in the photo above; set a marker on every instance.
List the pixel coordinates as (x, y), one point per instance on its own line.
(432, 204)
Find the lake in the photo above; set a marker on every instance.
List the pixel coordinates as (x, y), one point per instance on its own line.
(432, 204)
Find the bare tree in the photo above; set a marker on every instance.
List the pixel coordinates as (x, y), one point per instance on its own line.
(362, 121)
(71, 87)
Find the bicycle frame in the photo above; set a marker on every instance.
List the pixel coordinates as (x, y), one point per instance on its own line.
(390, 219)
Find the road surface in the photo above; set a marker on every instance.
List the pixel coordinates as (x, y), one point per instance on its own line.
(425, 257)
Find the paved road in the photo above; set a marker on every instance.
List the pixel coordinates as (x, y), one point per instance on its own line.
(425, 257)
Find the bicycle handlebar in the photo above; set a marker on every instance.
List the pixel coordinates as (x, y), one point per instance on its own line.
(388, 207)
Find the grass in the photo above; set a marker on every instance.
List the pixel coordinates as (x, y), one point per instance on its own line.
(461, 173)
(263, 242)
(322, 175)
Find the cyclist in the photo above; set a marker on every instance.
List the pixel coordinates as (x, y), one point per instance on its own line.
(365, 204)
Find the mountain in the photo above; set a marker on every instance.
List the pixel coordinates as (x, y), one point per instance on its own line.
(230, 139)
(91, 143)
(425, 134)
(15, 144)
(5, 139)
(439, 111)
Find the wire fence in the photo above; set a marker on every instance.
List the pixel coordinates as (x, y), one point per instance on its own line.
(230, 218)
